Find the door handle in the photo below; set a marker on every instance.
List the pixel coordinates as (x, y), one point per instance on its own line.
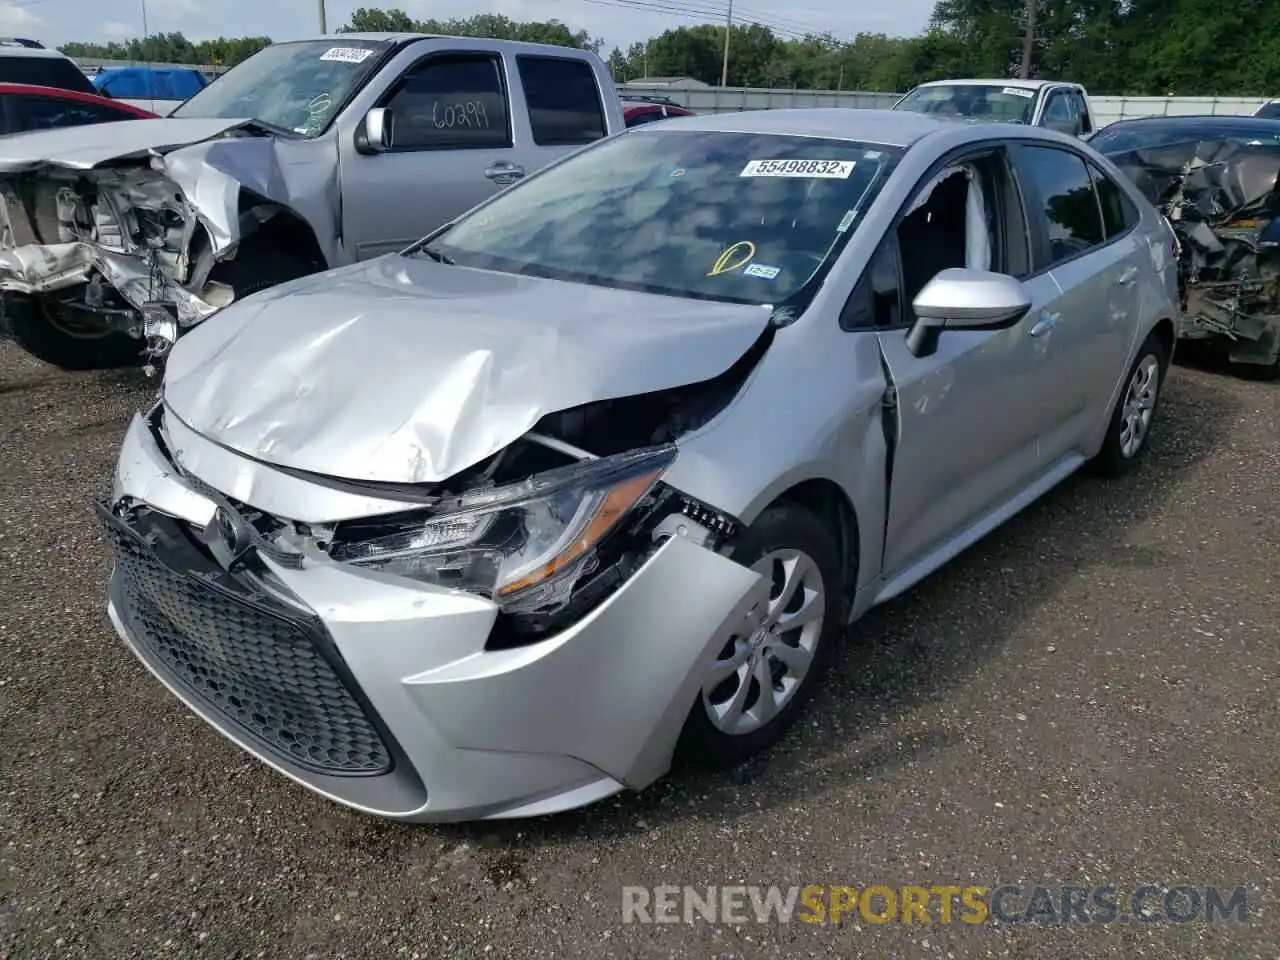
(504, 172)
(1130, 274)
(1046, 323)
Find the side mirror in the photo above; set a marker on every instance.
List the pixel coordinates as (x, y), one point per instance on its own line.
(960, 299)
(1070, 127)
(374, 135)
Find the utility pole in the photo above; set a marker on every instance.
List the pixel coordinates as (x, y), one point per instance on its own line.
(323, 28)
(728, 26)
(1028, 40)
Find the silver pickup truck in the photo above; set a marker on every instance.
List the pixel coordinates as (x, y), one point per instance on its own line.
(309, 155)
(1037, 103)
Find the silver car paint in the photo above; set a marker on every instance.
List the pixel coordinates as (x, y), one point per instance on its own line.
(987, 424)
(358, 206)
(479, 359)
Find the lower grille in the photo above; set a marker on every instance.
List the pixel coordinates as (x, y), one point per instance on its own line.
(259, 669)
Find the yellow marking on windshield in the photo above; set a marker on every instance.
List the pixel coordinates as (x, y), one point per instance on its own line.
(744, 250)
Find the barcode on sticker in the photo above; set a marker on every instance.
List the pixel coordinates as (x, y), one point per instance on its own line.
(347, 54)
(1019, 92)
(823, 169)
(762, 271)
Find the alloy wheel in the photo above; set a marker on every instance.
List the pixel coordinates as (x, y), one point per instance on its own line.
(1139, 405)
(757, 673)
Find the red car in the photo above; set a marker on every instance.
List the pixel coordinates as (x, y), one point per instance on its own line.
(26, 107)
(636, 112)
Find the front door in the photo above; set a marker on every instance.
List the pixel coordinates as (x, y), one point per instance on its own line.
(970, 414)
(451, 148)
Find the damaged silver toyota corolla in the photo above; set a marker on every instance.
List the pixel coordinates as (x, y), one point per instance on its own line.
(596, 476)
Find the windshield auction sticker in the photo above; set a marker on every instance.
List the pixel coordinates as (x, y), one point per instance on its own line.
(820, 169)
(1019, 92)
(347, 54)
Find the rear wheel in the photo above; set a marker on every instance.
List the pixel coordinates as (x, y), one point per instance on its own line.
(50, 332)
(761, 679)
(1134, 412)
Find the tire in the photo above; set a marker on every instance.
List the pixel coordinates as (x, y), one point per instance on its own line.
(1119, 455)
(41, 327)
(781, 531)
(258, 267)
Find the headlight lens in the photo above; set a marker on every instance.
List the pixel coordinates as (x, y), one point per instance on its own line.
(523, 545)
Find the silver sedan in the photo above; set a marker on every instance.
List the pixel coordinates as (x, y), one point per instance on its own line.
(597, 475)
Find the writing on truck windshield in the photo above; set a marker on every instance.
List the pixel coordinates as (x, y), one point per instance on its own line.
(721, 216)
(977, 101)
(296, 86)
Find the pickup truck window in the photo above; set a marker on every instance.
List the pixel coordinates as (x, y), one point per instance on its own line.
(451, 102)
(298, 85)
(980, 101)
(563, 98)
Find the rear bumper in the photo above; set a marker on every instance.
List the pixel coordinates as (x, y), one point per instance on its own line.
(380, 694)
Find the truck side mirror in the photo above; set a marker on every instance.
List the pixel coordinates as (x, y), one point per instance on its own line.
(375, 131)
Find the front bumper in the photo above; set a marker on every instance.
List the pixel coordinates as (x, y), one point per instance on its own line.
(379, 692)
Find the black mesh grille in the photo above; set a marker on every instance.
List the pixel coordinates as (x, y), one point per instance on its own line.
(260, 671)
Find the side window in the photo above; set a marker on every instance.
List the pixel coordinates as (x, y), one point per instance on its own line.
(640, 118)
(1118, 214)
(876, 303)
(1058, 108)
(450, 102)
(1082, 111)
(44, 113)
(1070, 206)
(563, 98)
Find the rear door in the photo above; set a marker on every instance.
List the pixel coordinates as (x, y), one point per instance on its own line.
(452, 125)
(564, 105)
(1091, 251)
(971, 413)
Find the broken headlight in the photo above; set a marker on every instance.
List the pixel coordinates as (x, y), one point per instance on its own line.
(524, 545)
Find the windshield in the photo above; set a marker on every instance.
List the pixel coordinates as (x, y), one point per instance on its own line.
(1122, 137)
(745, 218)
(294, 86)
(977, 101)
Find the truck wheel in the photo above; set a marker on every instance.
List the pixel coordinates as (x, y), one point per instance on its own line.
(258, 267)
(44, 328)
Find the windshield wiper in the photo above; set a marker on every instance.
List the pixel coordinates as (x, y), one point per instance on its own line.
(435, 254)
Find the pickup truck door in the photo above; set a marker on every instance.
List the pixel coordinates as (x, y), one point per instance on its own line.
(466, 122)
(451, 117)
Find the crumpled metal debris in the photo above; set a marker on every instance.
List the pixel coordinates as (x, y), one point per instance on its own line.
(76, 199)
(1220, 197)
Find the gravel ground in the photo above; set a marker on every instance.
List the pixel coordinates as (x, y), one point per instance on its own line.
(1089, 697)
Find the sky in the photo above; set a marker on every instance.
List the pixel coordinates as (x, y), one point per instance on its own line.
(54, 22)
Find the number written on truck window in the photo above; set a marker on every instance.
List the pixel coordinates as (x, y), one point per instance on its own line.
(564, 100)
(454, 101)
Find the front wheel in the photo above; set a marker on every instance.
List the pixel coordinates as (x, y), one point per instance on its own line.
(1135, 411)
(761, 679)
(50, 332)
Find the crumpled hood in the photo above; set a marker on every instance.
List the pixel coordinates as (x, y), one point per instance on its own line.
(84, 147)
(403, 370)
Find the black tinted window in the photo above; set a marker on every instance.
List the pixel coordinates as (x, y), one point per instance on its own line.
(877, 301)
(1117, 214)
(564, 101)
(1082, 111)
(44, 72)
(1269, 111)
(47, 113)
(450, 102)
(1070, 205)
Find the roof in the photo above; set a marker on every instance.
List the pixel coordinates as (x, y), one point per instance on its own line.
(1024, 84)
(1175, 118)
(889, 127)
(34, 52)
(59, 93)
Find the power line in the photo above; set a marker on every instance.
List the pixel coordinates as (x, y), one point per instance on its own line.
(791, 30)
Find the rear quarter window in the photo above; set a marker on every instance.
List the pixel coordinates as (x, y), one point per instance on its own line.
(45, 72)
